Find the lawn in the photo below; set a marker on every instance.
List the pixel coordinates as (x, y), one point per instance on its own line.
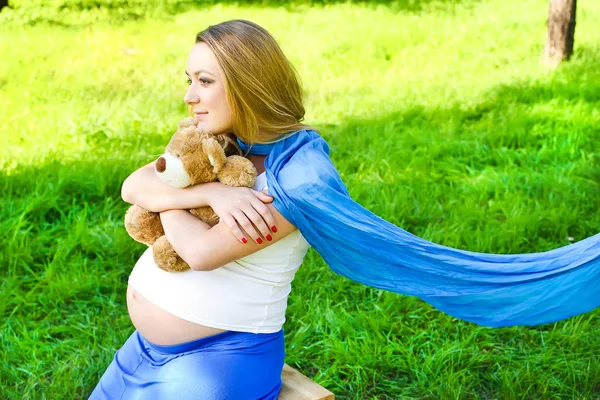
(440, 117)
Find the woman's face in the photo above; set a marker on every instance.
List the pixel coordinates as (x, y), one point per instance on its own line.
(206, 94)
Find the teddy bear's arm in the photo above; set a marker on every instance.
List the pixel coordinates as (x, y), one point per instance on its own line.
(206, 249)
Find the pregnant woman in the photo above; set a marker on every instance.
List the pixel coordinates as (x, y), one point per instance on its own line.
(215, 331)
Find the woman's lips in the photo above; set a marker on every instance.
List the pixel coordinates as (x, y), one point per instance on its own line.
(200, 115)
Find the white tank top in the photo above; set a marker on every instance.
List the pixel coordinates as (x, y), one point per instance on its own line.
(247, 295)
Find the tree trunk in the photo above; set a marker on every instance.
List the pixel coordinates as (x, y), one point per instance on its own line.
(561, 31)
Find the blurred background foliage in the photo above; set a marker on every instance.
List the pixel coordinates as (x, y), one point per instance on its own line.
(83, 12)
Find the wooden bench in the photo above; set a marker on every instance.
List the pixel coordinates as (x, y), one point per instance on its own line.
(298, 387)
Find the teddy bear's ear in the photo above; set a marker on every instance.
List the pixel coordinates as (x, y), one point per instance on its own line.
(215, 154)
(190, 121)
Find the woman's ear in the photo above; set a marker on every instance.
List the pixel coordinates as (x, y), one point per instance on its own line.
(215, 154)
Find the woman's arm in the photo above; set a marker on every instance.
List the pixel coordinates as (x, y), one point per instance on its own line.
(236, 207)
(146, 190)
(205, 248)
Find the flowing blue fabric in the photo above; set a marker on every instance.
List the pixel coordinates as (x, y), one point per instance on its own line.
(488, 289)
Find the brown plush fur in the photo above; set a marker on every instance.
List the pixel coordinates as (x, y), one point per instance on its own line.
(206, 158)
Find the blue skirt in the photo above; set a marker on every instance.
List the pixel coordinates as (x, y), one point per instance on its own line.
(228, 365)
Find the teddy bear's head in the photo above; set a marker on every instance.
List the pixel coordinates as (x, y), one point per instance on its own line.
(193, 156)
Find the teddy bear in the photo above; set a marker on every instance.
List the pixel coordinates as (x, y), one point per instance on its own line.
(193, 156)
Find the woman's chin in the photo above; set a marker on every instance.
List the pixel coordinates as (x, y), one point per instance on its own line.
(212, 129)
(203, 125)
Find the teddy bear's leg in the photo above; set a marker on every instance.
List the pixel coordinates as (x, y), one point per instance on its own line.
(166, 258)
(205, 214)
(142, 225)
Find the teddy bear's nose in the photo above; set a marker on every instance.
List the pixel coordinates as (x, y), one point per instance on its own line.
(161, 164)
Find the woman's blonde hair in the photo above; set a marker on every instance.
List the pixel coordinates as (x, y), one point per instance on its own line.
(262, 87)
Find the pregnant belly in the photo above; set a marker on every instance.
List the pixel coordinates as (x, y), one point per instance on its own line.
(161, 327)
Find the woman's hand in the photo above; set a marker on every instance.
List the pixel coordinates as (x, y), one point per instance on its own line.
(243, 208)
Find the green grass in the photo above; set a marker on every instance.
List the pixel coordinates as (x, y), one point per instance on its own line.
(440, 118)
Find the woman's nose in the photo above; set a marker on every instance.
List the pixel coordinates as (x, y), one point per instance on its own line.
(191, 97)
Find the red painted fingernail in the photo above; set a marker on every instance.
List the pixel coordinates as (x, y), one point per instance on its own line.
(274, 228)
(259, 241)
(269, 238)
(244, 240)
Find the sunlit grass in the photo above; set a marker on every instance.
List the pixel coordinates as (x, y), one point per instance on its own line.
(440, 118)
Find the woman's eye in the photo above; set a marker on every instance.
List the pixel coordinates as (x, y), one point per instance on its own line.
(201, 80)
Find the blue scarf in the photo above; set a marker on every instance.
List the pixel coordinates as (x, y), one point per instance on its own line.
(257, 149)
(487, 289)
